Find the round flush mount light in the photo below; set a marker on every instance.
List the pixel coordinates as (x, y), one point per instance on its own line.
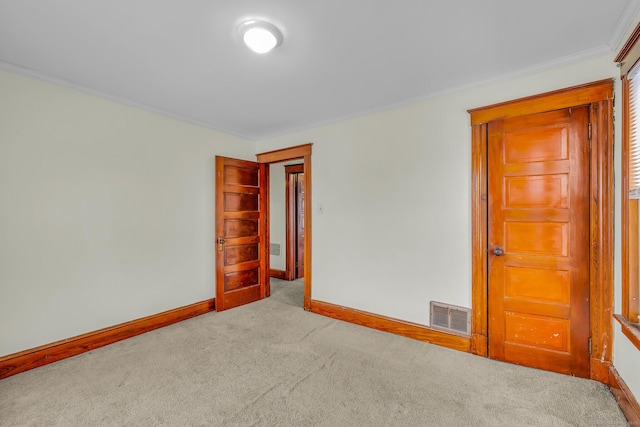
(259, 36)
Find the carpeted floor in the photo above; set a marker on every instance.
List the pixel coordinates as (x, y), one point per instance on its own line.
(272, 364)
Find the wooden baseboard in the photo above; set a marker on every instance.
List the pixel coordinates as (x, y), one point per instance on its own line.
(278, 274)
(627, 401)
(49, 353)
(387, 324)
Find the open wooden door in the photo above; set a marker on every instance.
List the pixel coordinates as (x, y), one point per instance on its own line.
(539, 240)
(241, 232)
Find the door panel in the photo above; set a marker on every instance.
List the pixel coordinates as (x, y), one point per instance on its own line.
(240, 227)
(538, 185)
(536, 238)
(536, 284)
(547, 191)
(241, 240)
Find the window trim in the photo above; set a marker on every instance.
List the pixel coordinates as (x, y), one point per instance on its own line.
(628, 58)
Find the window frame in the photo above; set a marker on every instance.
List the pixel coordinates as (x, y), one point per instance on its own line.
(629, 60)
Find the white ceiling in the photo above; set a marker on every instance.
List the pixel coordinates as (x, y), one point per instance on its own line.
(339, 59)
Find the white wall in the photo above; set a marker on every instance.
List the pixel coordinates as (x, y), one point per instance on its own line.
(106, 212)
(277, 214)
(395, 186)
(626, 359)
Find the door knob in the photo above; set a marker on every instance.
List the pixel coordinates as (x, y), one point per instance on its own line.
(497, 251)
(220, 243)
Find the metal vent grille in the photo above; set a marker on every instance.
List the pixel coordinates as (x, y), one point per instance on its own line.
(274, 249)
(451, 318)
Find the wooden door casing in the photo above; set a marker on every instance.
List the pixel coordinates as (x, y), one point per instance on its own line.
(241, 232)
(292, 153)
(539, 215)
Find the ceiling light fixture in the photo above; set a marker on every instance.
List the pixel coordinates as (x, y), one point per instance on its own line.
(260, 36)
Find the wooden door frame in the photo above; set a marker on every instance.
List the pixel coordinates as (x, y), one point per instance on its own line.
(599, 97)
(291, 220)
(292, 153)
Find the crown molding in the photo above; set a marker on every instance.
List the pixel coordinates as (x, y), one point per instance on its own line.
(259, 137)
(17, 69)
(625, 21)
(523, 72)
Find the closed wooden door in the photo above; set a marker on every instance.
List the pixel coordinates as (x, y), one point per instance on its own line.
(538, 184)
(241, 239)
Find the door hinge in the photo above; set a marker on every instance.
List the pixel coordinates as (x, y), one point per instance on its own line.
(590, 131)
(590, 345)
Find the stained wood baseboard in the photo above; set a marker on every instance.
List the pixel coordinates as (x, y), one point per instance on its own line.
(278, 274)
(25, 360)
(395, 326)
(627, 401)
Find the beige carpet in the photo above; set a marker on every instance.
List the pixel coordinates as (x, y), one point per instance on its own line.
(272, 364)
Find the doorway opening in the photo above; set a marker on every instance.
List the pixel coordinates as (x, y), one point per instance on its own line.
(301, 155)
(294, 205)
(286, 232)
(286, 220)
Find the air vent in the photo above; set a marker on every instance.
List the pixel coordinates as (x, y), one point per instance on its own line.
(274, 249)
(450, 318)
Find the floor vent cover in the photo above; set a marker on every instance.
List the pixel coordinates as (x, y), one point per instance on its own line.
(451, 318)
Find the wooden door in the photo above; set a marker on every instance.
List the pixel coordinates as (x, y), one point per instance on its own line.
(538, 220)
(299, 225)
(241, 233)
